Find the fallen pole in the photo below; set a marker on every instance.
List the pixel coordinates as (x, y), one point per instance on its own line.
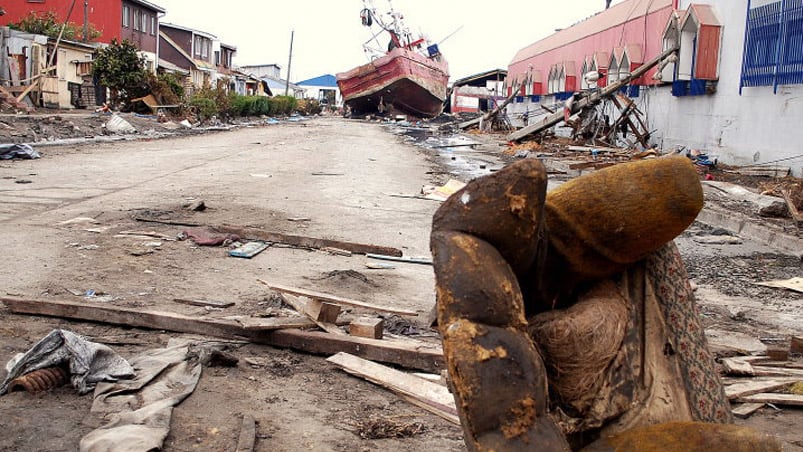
(593, 98)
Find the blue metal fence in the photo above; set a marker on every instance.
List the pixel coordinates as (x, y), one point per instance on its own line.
(773, 50)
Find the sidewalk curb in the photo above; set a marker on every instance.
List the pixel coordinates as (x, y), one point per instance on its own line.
(767, 234)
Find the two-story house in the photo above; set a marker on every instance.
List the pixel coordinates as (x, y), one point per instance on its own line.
(134, 20)
(191, 51)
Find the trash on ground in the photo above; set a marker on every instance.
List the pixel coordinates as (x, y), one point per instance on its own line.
(443, 192)
(207, 237)
(119, 126)
(795, 284)
(137, 412)
(249, 250)
(18, 150)
(88, 363)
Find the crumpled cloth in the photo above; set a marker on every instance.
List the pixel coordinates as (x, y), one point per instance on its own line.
(19, 150)
(137, 412)
(89, 363)
(206, 237)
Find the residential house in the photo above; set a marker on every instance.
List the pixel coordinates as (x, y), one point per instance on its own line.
(731, 91)
(134, 20)
(189, 50)
(270, 74)
(226, 72)
(71, 86)
(25, 57)
(478, 92)
(324, 89)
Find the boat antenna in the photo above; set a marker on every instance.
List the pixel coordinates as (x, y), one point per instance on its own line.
(450, 35)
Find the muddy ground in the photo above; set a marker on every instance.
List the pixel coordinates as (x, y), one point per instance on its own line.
(327, 178)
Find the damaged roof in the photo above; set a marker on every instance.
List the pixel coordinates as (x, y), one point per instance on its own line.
(614, 16)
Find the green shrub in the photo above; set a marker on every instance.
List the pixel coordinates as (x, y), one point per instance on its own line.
(205, 107)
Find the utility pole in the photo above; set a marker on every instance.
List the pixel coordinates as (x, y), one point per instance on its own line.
(86, 20)
(289, 62)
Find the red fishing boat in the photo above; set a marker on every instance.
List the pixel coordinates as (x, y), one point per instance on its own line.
(409, 77)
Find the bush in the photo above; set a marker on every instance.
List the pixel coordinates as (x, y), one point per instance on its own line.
(204, 107)
(261, 105)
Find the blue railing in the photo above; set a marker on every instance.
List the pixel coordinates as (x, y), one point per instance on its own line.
(773, 49)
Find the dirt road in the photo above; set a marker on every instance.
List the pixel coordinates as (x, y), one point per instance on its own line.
(332, 179)
(61, 224)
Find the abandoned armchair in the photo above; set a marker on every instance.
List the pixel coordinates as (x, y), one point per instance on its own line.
(567, 318)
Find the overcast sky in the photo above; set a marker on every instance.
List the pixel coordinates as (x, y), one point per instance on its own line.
(329, 36)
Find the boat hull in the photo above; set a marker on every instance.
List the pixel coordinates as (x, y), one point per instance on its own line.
(402, 80)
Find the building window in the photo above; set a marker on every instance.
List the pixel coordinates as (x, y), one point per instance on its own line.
(153, 25)
(773, 51)
(137, 20)
(126, 17)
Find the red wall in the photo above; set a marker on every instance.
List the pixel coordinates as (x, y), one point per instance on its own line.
(631, 32)
(105, 15)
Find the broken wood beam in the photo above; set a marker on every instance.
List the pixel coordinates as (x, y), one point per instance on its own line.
(797, 215)
(335, 299)
(408, 353)
(248, 434)
(302, 305)
(428, 395)
(367, 327)
(736, 366)
(307, 242)
(409, 260)
(773, 398)
(205, 303)
(796, 345)
(592, 99)
(492, 113)
(744, 410)
(287, 239)
(747, 388)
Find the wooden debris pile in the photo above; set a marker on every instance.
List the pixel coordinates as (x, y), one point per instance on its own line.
(774, 379)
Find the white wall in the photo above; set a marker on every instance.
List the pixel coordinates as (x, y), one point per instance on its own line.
(756, 127)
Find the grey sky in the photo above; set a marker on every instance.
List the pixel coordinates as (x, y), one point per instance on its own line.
(329, 35)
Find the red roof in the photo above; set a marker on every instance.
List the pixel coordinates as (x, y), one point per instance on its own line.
(705, 14)
(611, 17)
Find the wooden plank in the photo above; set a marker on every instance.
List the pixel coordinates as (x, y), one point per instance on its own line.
(287, 239)
(301, 304)
(367, 327)
(322, 311)
(744, 410)
(425, 394)
(210, 303)
(747, 388)
(307, 242)
(736, 366)
(407, 353)
(335, 299)
(775, 399)
(796, 345)
(274, 323)
(797, 215)
(248, 434)
(765, 371)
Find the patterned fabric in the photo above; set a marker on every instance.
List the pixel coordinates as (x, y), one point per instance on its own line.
(706, 395)
(664, 349)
